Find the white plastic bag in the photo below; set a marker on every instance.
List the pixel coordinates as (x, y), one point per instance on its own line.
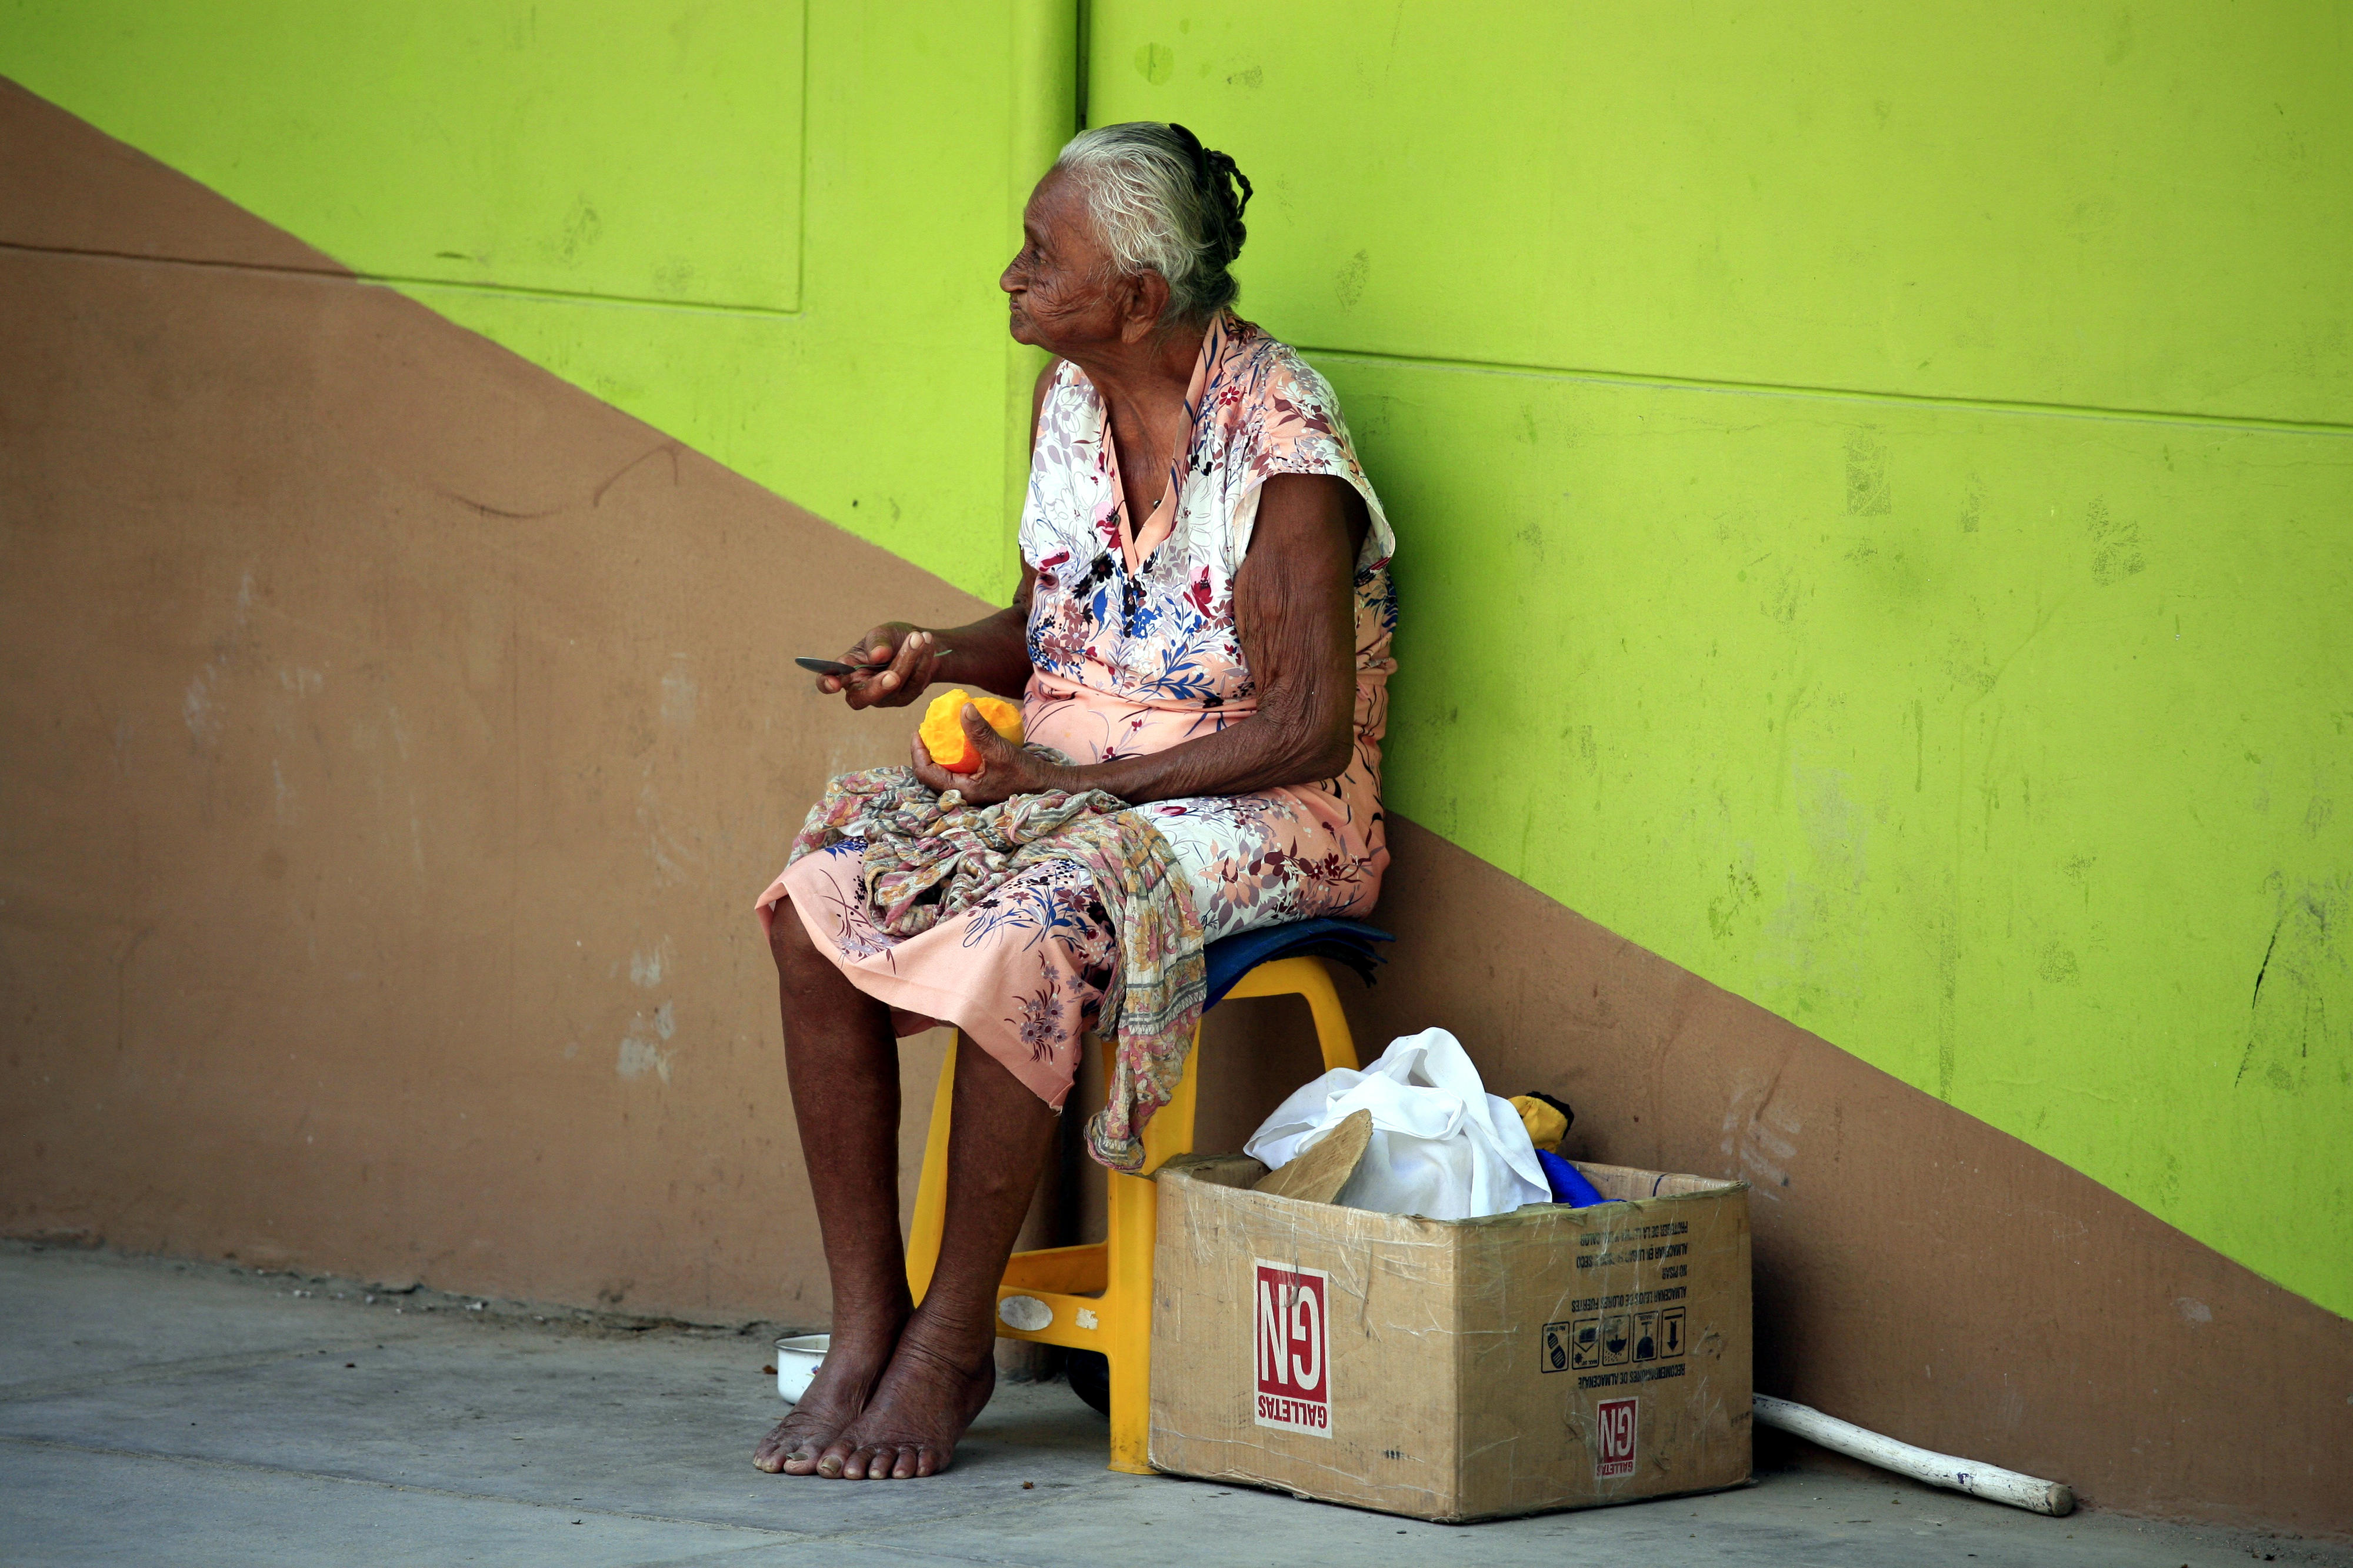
(1442, 1146)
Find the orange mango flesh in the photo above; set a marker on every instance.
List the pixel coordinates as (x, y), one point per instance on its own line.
(942, 728)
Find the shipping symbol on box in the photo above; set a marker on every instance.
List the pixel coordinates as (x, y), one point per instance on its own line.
(1572, 1346)
(1620, 1339)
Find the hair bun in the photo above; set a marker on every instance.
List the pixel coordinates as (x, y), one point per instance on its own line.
(1224, 175)
(1217, 176)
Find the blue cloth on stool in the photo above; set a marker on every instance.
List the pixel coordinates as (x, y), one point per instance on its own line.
(1344, 941)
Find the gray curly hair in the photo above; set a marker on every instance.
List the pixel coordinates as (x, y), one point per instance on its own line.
(1163, 202)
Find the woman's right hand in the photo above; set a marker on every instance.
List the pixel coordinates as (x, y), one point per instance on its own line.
(913, 656)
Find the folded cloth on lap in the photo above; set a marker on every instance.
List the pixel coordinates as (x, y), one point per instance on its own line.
(931, 856)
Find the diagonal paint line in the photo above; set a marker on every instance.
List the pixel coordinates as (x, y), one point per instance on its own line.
(217, 263)
(404, 281)
(1838, 394)
(108, 1451)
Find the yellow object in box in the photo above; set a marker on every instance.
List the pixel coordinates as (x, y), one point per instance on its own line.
(1546, 1126)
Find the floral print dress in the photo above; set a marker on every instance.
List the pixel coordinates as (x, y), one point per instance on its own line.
(1134, 648)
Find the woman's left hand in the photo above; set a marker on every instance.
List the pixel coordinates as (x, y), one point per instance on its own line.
(1006, 769)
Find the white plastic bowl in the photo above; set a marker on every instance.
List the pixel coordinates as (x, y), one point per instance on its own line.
(796, 1362)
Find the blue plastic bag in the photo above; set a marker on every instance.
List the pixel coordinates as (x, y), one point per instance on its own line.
(1568, 1183)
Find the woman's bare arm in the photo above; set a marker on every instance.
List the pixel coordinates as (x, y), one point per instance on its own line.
(1294, 611)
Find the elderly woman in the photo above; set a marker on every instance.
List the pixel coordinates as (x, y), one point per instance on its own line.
(1201, 647)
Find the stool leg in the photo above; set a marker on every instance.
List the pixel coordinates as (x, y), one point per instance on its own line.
(1134, 1205)
(931, 1187)
(1170, 1130)
(1331, 1021)
(1129, 1238)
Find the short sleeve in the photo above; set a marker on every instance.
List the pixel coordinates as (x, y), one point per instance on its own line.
(1292, 423)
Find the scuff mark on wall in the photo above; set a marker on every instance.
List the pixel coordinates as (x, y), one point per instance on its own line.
(2115, 546)
(672, 859)
(1867, 493)
(1761, 1136)
(200, 708)
(197, 710)
(2303, 993)
(677, 695)
(646, 968)
(641, 1048)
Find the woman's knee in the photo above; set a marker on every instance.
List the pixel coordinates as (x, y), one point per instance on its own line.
(788, 938)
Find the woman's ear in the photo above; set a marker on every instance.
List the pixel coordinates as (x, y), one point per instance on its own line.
(1143, 300)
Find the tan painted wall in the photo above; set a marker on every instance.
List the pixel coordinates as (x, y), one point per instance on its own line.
(397, 737)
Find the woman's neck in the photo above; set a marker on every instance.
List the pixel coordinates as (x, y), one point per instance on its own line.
(1140, 375)
(1142, 386)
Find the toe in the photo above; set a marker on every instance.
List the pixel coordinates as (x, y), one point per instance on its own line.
(929, 1461)
(770, 1454)
(906, 1467)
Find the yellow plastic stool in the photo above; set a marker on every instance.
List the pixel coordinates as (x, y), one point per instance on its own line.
(1101, 1295)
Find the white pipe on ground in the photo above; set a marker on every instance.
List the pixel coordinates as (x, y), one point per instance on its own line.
(1989, 1481)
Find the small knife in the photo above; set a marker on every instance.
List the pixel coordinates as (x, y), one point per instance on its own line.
(840, 671)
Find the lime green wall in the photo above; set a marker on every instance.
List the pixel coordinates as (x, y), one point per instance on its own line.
(772, 230)
(1874, 482)
(1876, 508)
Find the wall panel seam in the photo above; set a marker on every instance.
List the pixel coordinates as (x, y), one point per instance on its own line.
(1837, 394)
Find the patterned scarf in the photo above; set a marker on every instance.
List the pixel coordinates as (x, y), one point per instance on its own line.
(929, 857)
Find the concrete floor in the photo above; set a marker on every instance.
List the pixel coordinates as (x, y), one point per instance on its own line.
(163, 1412)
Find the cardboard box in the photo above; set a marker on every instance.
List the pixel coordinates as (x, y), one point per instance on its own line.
(1475, 1369)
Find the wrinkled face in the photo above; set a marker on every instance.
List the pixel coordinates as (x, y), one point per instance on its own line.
(1067, 295)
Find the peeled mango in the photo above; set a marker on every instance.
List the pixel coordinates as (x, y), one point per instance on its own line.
(942, 728)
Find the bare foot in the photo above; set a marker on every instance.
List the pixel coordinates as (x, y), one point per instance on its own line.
(845, 1380)
(924, 1404)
